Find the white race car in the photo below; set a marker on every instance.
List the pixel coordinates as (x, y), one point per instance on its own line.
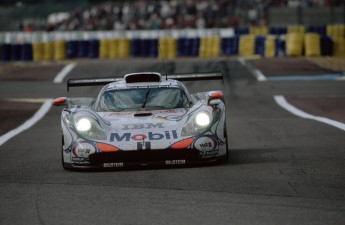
(143, 119)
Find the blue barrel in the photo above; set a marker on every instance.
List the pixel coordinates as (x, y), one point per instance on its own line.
(181, 46)
(15, 52)
(71, 49)
(153, 49)
(135, 47)
(26, 52)
(225, 46)
(229, 46)
(277, 30)
(260, 45)
(5, 52)
(279, 46)
(82, 49)
(144, 47)
(188, 47)
(93, 48)
(319, 29)
(326, 46)
(241, 30)
(194, 46)
(234, 45)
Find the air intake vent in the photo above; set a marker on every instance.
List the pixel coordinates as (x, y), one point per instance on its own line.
(142, 77)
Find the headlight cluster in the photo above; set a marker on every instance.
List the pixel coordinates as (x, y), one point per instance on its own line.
(89, 128)
(83, 124)
(198, 124)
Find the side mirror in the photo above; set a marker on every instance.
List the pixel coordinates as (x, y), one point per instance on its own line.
(214, 97)
(62, 101)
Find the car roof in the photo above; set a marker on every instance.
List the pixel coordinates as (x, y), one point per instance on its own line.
(143, 79)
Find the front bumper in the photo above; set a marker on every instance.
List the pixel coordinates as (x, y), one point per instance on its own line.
(125, 159)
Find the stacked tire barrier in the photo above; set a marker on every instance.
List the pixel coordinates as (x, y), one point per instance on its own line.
(291, 41)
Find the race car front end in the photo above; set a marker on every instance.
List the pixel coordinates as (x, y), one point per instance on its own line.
(162, 137)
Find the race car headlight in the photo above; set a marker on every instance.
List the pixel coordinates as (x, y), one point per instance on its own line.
(89, 128)
(83, 124)
(198, 124)
(202, 119)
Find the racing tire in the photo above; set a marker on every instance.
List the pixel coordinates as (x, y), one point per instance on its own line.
(62, 158)
(226, 157)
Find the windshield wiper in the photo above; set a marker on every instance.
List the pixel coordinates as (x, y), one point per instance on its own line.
(145, 99)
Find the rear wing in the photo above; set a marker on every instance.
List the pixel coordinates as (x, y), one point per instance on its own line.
(216, 75)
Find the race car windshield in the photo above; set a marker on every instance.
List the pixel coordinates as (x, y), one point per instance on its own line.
(143, 99)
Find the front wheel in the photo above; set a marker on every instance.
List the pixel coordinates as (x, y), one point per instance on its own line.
(62, 157)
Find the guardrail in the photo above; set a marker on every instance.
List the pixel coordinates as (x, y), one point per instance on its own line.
(210, 43)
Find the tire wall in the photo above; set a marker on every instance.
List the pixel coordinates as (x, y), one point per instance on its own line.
(278, 41)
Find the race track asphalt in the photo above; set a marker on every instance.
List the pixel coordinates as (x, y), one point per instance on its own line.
(283, 169)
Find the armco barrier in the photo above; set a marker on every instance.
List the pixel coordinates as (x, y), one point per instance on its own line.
(275, 41)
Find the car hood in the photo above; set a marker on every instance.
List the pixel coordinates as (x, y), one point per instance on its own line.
(159, 127)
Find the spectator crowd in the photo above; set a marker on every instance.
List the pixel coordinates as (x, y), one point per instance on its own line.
(173, 14)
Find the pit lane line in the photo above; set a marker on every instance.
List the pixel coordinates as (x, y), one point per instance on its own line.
(281, 101)
(41, 112)
(63, 73)
(29, 123)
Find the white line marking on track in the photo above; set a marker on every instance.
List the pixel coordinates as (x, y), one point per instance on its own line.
(63, 73)
(257, 73)
(29, 123)
(283, 103)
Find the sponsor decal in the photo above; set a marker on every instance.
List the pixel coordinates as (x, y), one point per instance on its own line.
(78, 159)
(205, 143)
(83, 149)
(113, 165)
(175, 162)
(151, 136)
(138, 126)
(211, 153)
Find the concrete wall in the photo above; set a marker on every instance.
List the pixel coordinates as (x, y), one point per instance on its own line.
(305, 16)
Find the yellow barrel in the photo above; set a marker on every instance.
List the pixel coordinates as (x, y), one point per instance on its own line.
(48, 51)
(123, 48)
(270, 46)
(296, 29)
(37, 51)
(335, 31)
(203, 47)
(312, 44)
(339, 47)
(214, 48)
(59, 49)
(260, 30)
(171, 48)
(294, 44)
(247, 45)
(103, 48)
(113, 48)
